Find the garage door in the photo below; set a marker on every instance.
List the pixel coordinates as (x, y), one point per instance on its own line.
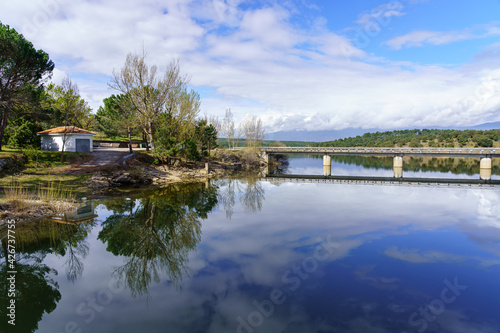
(82, 145)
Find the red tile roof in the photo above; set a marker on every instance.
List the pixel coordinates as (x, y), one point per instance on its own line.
(65, 129)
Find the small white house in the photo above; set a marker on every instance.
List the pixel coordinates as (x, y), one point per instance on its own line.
(75, 139)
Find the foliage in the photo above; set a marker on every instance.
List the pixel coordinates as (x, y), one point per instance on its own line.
(21, 132)
(22, 72)
(67, 106)
(277, 144)
(418, 138)
(206, 136)
(149, 94)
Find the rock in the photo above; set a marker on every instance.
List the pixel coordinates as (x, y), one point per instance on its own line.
(122, 179)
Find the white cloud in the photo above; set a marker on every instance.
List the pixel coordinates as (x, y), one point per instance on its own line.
(259, 61)
(422, 37)
(381, 16)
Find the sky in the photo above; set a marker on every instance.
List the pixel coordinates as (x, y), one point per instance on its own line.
(297, 64)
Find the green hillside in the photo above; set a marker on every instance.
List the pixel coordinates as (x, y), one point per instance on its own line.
(419, 138)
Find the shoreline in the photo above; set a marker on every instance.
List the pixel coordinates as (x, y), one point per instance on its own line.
(132, 175)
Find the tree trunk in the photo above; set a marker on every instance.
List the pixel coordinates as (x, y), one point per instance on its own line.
(64, 143)
(145, 139)
(129, 140)
(3, 124)
(150, 125)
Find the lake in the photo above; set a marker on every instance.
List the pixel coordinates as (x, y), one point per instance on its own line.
(249, 255)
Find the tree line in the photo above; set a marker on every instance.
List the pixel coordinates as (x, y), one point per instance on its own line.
(419, 138)
(155, 106)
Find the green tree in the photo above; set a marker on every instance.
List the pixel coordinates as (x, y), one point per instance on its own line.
(68, 107)
(206, 136)
(21, 133)
(149, 94)
(117, 117)
(22, 72)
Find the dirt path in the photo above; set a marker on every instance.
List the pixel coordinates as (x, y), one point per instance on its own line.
(107, 156)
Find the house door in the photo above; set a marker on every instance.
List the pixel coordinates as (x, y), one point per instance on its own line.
(82, 145)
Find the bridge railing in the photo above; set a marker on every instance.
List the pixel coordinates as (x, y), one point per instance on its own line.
(381, 150)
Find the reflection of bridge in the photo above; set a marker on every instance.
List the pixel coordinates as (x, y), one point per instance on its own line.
(437, 182)
(484, 154)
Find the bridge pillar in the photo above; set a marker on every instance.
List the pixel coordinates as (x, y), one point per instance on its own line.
(398, 167)
(327, 165)
(485, 168)
(265, 157)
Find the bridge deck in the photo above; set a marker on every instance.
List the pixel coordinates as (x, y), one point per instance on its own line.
(379, 151)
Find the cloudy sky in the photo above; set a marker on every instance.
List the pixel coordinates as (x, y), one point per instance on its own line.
(297, 64)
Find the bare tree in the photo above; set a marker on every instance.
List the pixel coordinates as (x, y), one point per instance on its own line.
(148, 92)
(228, 128)
(216, 123)
(252, 129)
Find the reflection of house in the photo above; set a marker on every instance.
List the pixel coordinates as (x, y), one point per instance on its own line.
(77, 216)
(75, 139)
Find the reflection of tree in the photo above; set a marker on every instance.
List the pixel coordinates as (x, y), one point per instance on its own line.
(279, 164)
(469, 166)
(156, 233)
(249, 191)
(253, 196)
(36, 292)
(227, 195)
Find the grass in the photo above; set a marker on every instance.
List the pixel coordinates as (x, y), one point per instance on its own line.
(20, 201)
(46, 171)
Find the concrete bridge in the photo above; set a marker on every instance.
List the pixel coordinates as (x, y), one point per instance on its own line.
(364, 180)
(485, 155)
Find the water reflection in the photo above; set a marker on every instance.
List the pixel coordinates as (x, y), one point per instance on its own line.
(249, 192)
(36, 290)
(311, 164)
(329, 258)
(155, 233)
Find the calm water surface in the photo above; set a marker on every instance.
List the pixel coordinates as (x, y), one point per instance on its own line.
(428, 167)
(251, 256)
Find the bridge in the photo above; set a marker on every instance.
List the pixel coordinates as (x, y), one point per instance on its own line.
(484, 154)
(388, 181)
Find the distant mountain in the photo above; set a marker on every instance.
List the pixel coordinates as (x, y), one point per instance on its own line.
(317, 136)
(320, 136)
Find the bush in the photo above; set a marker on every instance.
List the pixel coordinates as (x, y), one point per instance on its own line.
(485, 142)
(21, 133)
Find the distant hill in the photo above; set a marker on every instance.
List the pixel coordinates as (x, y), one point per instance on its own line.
(436, 137)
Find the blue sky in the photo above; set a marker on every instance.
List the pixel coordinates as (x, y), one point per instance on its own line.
(297, 64)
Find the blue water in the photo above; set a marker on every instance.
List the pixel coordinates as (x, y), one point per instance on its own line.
(250, 256)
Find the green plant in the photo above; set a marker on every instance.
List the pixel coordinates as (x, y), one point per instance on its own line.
(32, 153)
(57, 198)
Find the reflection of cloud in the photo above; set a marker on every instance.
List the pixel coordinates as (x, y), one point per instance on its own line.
(488, 208)
(413, 256)
(363, 273)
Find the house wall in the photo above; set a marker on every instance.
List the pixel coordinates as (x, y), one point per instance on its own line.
(54, 142)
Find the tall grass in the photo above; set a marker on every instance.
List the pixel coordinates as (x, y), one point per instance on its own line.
(55, 198)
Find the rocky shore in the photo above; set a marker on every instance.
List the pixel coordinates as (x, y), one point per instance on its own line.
(136, 174)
